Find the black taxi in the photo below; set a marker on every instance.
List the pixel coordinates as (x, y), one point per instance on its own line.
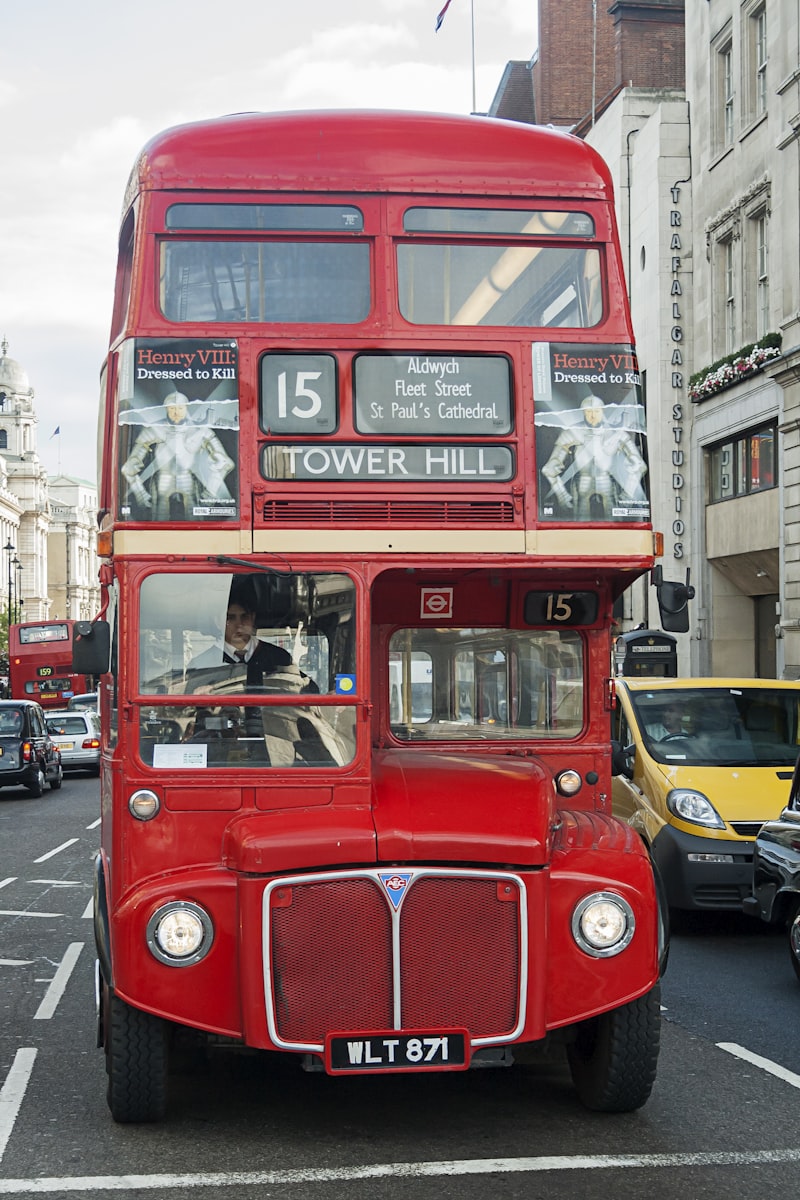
(28, 755)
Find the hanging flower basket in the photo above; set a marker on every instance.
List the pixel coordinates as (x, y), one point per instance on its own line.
(731, 370)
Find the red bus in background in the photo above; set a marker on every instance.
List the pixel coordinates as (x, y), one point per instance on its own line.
(373, 474)
(40, 663)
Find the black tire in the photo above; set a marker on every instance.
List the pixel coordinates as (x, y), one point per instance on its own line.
(136, 1062)
(614, 1056)
(793, 926)
(56, 783)
(36, 786)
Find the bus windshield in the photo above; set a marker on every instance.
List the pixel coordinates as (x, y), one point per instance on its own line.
(249, 637)
(497, 684)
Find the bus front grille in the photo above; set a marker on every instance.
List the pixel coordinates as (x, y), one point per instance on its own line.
(401, 513)
(344, 955)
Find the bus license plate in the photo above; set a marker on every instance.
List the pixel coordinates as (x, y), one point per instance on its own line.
(444, 1050)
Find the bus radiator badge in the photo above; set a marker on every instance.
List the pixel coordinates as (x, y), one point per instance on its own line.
(395, 885)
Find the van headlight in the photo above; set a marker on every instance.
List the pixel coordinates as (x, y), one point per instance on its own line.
(603, 924)
(694, 807)
(180, 933)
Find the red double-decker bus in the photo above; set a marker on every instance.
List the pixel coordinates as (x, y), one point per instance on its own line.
(373, 469)
(40, 663)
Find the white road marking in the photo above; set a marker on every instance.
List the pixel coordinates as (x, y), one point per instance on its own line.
(65, 883)
(25, 912)
(58, 849)
(59, 982)
(4, 882)
(766, 1064)
(94, 824)
(16, 962)
(88, 912)
(12, 1093)
(478, 1166)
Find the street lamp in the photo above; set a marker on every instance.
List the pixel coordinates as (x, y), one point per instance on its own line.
(17, 565)
(9, 549)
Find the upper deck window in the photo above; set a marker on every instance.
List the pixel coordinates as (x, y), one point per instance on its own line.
(501, 221)
(266, 281)
(524, 282)
(319, 217)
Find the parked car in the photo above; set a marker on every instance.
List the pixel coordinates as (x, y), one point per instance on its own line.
(76, 733)
(700, 765)
(775, 896)
(28, 756)
(83, 700)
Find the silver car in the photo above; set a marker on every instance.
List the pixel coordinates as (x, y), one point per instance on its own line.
(77, 736)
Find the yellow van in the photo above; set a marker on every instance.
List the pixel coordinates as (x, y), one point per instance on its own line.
(699, 765)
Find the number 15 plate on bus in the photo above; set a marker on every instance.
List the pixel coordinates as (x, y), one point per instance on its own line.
(397, 1050)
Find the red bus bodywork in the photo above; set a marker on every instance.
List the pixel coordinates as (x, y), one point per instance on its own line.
(40, 663)
(423, 891)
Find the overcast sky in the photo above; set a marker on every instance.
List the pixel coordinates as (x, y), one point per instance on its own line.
(83, 85)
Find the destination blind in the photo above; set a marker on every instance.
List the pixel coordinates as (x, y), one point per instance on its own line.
(420, 396)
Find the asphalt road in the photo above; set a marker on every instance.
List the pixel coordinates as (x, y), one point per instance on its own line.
(720, 1122)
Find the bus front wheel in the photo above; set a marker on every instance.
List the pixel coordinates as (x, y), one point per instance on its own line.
(613, 1057)
(136, 1062)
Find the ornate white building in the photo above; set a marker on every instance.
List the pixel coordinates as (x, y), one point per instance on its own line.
(48, 561)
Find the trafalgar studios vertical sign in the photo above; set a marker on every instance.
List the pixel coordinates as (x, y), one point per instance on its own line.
(591, 448)
(178, 437)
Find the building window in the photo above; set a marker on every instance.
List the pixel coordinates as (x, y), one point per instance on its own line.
(728, 295)
(754, 59)
(762, 275)
(743, 465)
(758, 28)
(3, 439)
(724, 94)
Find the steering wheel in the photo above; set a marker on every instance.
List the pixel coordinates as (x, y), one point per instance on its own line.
(674, 737)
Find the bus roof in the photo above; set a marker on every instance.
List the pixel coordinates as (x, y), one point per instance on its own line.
(371, 151)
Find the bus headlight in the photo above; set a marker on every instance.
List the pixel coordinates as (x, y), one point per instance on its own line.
(144, 805)
(180, 933)
(603, 924)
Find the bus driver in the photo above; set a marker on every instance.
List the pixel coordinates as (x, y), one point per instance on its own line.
(241, 645)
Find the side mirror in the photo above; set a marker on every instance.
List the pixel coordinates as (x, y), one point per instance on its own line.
(91, 647)
(673, 602)
(622, 759)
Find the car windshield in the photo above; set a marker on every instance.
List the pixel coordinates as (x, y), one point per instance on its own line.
(720, 726)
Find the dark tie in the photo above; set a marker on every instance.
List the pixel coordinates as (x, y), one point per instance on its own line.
(240, 655)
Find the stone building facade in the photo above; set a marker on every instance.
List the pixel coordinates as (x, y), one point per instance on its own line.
(48, 527)
(706, 162)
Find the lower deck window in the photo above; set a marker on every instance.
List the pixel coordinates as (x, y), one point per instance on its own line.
(467, 684)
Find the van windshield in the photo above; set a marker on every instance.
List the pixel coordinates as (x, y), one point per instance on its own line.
(720, 726)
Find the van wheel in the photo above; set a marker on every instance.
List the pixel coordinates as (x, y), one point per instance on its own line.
(794, 939)
(613, 1057)
(136, 1062)
(36, 786)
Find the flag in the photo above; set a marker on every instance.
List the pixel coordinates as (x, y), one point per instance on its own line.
(56, 432)
(441, 15)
